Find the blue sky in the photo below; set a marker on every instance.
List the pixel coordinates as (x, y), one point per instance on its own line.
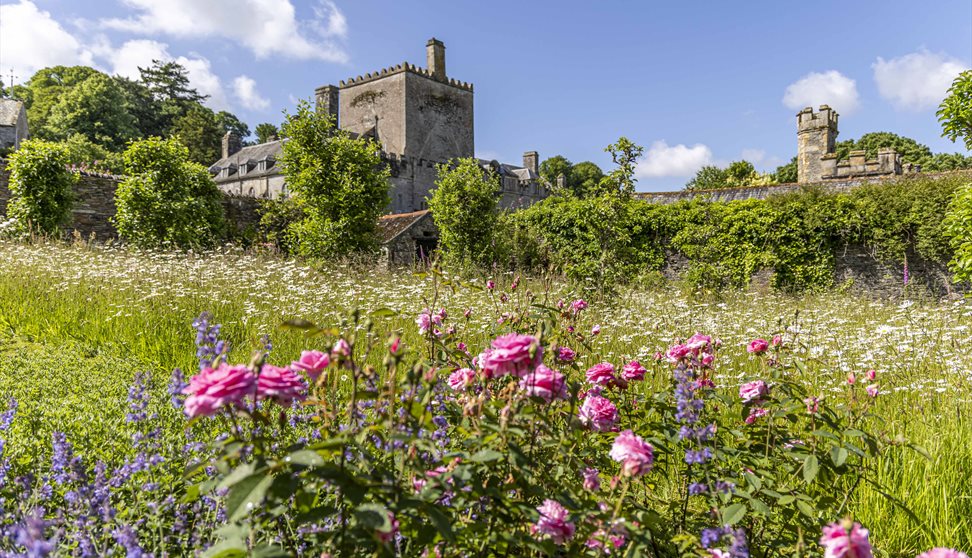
(694, 82)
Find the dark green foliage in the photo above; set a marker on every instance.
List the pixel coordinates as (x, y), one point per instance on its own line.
(96, 108)
(338, 183)
(581, 180)
(910, 150)
(785, 174)
(40, 187)
(463, 206)
(199, 129)
(166, 200)
(277, 216)
(45, 89)
(955, 112)
(709, 177)
(797, 235)
(228, 122)
(266, 132)
(144, 108)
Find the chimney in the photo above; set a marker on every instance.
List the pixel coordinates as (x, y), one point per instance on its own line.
(231, 144)
(435, 51)
(531, 160)
(327, 101)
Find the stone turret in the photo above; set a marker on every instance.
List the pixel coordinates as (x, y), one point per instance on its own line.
(531, 160)
(231, 144)
(435, 53)
(327, 101)
(816, 143)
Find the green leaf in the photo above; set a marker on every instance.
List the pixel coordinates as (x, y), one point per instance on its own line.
(838, 455)
(806, 509)
(269, 551)
(734, 514)
(247, 494)
(298, 324)
(486, 456)
(226, 549)
(810, 468)
(305, 458)
(383, 313)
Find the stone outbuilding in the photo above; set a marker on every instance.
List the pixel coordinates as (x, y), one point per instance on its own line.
(13, 124)
(253, 171)
(408, 238)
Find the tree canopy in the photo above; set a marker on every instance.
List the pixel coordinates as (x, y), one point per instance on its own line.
(97, 109)
(955, 112)
(265, 132)
(463, 206)
(338, 183)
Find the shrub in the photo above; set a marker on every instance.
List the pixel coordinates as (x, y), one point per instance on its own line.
(40, 187)
(463, 207)
(958, 227)
(338, 183)
(166, 200)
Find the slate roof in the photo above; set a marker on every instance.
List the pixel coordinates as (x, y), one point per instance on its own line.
(10, 111)
(390, 226)
(250, 156)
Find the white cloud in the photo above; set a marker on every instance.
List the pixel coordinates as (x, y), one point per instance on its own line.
(828, 88)
(662, 159)
(754, 156)
(916, 81)
(246, 92)
(266, 27)
(30, 39)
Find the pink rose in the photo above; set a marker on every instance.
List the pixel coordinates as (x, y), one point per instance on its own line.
(634, 454)
(490, 284)
(282, 385)
(757, 346)
(942, 552)
(212, 389)
(755, 413)
(677, 352)
(592, 480)
(777, 340)
(312, 363)
(753, 391)
(566, 354)
(698, 342)
(461, 379)
(578, 305)
(424, 321)
(633, 371)
(596, 330)
(707, 359)
(544, 383)
(388, 536)
(553, 522)
(341, 348)
(598, 412)
(871, 375)
(601, 374)
(845, 540)
(512, 354)
(851, 378)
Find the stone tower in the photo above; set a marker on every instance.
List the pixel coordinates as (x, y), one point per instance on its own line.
(816, 142)
(415, 112)
(327, 101)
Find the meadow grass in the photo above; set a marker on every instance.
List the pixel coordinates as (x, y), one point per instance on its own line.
(77, 322)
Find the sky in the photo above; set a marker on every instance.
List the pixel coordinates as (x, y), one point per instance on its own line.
(693, 82)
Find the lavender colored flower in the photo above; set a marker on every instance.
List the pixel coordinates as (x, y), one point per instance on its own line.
(30, 535)
(208, 344)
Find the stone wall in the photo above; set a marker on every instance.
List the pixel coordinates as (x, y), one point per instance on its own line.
(763, 192)
(94, 206)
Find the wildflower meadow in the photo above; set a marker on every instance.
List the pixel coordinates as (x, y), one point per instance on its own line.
(230, 403)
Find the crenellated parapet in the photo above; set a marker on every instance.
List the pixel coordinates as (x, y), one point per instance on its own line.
(402, 68)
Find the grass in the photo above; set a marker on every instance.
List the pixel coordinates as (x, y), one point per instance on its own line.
(77, 322)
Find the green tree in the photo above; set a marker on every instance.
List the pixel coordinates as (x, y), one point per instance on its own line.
(97, 109)
(200, 131)
(45, 89)
(168, 82)
(463, 206)
(338, 182)
(910, 150)
(144, 108)
(166, 200)
(230, 123)
(955, 112)
(709, 177)
(787, 173)
(584, 178)
(40, 186)
(621, 180)
(740, 173)
(553, 167)
(266, 131)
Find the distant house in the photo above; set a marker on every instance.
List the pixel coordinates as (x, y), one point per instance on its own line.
(252, 171)
(13, 124)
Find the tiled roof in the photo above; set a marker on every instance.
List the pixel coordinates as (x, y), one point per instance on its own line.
(250, 154)
(390, 226)
(10, 111)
